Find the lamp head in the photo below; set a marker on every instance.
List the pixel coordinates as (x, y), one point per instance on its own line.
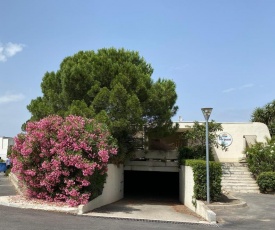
(206, 112)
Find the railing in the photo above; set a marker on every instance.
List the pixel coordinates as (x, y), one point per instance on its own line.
(164, 161)
(155, 155)
(157, 144)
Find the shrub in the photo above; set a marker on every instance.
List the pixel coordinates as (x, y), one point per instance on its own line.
(266, 181)
(195, 152)
(261, 157)
(63, 159)
(7, 172)
(215, 174)
(195, 144)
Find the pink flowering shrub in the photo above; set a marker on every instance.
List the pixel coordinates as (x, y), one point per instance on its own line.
(63, 159)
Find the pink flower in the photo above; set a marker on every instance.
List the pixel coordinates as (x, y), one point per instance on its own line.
(85, 183)
(30, 172)
(57, 158)
(104, 155)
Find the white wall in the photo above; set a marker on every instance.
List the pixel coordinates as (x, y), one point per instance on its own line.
(5, 142)
(112, 192)
(187, 193)
(186, 185)
(237, 131)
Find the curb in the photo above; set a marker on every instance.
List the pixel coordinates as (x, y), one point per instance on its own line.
(240, 205)
(4, 200)
(154, 220)
(225, 206)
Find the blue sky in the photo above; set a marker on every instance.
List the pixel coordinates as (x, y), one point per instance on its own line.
(220, 53)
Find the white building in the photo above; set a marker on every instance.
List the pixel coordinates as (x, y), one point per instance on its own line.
(5, 142)
(236, 137)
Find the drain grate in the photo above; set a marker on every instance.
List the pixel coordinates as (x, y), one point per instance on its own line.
(156, 221)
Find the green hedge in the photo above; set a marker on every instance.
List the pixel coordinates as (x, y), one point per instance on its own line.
(266, 181)
(196, 152)
(215, 178)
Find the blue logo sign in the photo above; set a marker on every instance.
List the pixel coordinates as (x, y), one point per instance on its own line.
(225, 139)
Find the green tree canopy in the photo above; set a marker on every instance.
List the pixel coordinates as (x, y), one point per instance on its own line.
(266, 115)
(195, 141)
(115, 87)
(197, 135)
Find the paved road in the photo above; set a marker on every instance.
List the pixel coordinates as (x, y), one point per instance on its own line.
(259, 214)
(6, 188)
(21, 219)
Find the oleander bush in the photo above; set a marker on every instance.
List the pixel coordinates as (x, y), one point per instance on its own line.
(63, 159)
(266, 181)
(261, 157)
(215, 178)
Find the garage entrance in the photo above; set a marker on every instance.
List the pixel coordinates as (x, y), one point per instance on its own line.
(151, 185)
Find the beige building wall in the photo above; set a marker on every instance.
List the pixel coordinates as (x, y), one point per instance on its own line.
(240, 133)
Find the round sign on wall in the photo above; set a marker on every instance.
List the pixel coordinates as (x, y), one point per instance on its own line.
(225, 139)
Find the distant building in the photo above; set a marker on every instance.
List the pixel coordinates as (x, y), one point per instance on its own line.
(5, 142)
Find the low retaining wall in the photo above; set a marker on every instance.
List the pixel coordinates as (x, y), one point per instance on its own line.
(112, 192)
(14, 180)
(187, 195)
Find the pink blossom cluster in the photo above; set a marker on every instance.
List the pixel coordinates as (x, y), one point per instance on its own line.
(58, 158)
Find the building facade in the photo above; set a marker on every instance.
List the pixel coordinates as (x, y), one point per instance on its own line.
(5, 142)
(235, 136)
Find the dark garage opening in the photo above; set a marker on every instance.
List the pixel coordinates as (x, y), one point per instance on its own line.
(151, 185)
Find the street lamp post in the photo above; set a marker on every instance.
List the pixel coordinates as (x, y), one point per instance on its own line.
(206, 113)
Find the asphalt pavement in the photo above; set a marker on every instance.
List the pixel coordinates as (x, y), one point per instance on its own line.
(166, 210)
(6, 187)
(259, 213)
